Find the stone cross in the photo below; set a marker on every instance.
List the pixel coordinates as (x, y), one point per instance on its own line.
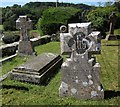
(80, 72)
(23, 24)
(25, 46)
(112, 18)
(111, 35)
(76, 38)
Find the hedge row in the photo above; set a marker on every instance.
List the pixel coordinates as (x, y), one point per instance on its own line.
(100, 18)
(10, 37)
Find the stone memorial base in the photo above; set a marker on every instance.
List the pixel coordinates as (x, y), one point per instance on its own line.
(38, 70)
(110, 37)
(25, 48)
(80, 78)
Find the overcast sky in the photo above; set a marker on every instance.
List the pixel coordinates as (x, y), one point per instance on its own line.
(22, 2)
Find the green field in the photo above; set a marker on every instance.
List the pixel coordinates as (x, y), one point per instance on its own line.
(117, 31)
(1, 27)
(18, 93)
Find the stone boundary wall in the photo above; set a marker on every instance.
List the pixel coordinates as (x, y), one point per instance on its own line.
(10, 49)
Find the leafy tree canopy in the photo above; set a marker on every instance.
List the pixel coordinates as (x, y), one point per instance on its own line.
(53, 18)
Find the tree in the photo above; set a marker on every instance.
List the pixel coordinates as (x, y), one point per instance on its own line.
(117, 4)
(53, 18)
(100, 18)
(34, 10)
(100, 4)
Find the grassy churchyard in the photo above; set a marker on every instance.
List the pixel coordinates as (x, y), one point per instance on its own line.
(19, 93)
(33, 28)
(1, 27)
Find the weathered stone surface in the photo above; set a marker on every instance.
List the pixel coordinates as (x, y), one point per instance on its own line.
(25, 47)
(23, 23)
(80, 72)
(38, 69)
(68, 41)
(82, 27)
(53, 37)
(82, 81)
(96, 38)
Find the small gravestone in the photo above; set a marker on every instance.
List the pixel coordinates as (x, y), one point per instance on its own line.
(111, 35)
(37, 70)
(53, 37)
(25, 46)
(80, 72)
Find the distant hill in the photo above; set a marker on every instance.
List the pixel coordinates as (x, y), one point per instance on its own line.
(53, 4)
(34, 11)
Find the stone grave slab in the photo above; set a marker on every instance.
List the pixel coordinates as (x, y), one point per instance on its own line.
(38, 69)
(81, 71)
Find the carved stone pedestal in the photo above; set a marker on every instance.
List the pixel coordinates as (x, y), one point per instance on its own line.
(80, 78)
(111, 37)
(25, 48)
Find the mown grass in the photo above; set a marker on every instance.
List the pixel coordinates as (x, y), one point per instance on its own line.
(19, 93)
(116, 32)
(1, 27)
(9, 65)
(52, 47)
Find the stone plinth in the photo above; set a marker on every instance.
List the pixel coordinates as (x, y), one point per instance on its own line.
(25, 48)
(37, 70)
(111, 37)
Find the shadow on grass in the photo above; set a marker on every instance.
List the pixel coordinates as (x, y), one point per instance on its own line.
(15, 87)
(108, 94)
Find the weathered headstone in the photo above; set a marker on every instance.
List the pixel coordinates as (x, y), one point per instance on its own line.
(38, 70)
(53, 37)
(111, 35)
(83, 27)
(25, 46)
(80, 72)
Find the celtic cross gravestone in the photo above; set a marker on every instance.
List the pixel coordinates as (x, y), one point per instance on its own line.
(25, 46)
(80, 72)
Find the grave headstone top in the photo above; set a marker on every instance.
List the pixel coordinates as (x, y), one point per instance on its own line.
(82, 27)
(23, 23)
(80, 72)
(77, 39)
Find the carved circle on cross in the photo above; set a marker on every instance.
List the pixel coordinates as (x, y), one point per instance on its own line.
(63, 29)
